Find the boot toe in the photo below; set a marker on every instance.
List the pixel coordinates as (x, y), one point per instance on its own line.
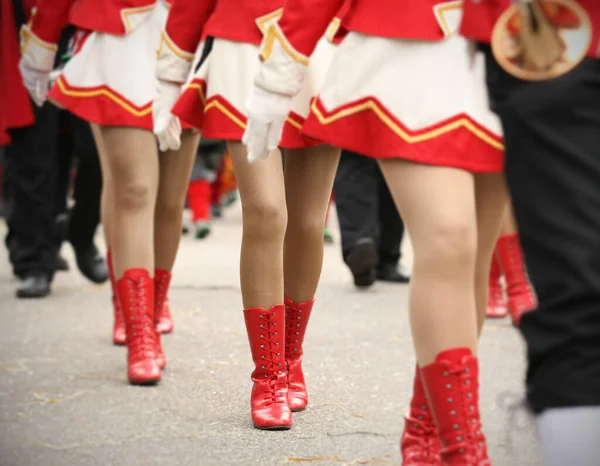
(274, 417)
(497, 312)
(297, 402)
(119, 336)
(165, 325)
(145, 372)
(161, 360)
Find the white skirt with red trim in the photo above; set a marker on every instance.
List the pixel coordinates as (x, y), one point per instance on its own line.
(111, 80)
(215, 99)
(421, 101)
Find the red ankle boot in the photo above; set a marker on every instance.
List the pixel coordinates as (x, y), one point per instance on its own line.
(164, 322)
(419, 443)
(452, 386)
(266, 334)
(496, 298)
(521, 297)
(296, 321)
(136, 293)
(162, 279)
(118, 326)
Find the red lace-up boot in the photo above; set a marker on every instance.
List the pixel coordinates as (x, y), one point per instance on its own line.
(136, 293)
(452, 386)
(118, 326)
(419, 443)
(164, 322)
(496, 298)
(162, 279)
(296, 321)
(266, 334)
(521, 297)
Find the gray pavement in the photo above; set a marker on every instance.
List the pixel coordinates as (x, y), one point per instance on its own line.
(64, 399)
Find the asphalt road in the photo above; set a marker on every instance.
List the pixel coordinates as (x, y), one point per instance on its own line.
(64, 398)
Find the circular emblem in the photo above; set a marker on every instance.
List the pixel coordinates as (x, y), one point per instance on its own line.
(541, 39)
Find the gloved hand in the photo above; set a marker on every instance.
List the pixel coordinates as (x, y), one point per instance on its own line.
(36, 82)
(167, 126)
(267, 112)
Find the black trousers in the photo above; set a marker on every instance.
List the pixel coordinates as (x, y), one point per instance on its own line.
(30, 188)
(77, 147)
(552, 136)
(36, 183)
(365, 207)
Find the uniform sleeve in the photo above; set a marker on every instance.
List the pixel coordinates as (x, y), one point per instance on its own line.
(49, 18)
(40, 36)
(181, 37)
(288, 44)
(304, 22)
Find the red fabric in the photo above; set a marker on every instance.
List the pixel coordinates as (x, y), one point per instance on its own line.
(186, 22)
(304, 21)
(230, 124)
(15, 106)
(199, 199)
(109, 16)
(101, 108)
(235, 19)
(366, 133)
(479, 19)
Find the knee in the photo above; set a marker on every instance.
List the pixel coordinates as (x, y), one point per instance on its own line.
(170, 206)
(266, 220)
(450, 246)
(133, 195)
(306, 226)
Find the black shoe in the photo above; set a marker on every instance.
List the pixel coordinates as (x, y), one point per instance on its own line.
(61, 226)
(61, 264)
(92, 265)
(394, 273)
(33, 286)
(362, 260)
(217, 211)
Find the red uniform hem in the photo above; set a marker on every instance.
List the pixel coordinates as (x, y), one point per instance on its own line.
(101, 105)
(218, 119)
(368, 128)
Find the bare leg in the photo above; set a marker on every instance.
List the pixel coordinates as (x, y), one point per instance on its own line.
(309, 175)
(132, 160)
(438, 207)
(264, 211)
(264, 214)
(174, 176)
(491, 198)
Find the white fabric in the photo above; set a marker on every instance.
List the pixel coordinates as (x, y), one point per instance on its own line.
(570, 436)
(36, 53)
(167, 126)
(420, 83)
(124, 64)
(267, 112)
(280, 72)
(36, 82)
(231, 66)
(173, 64)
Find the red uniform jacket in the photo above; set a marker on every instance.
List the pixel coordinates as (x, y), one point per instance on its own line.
(108, 16)
(479, 19)
(304, 21)
(15, 106)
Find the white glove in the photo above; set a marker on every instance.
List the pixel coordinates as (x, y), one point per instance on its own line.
(267, 112)
(36, 82)
(167, 126)
(37, 59)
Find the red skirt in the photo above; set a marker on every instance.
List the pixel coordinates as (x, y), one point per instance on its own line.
(421, 101)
